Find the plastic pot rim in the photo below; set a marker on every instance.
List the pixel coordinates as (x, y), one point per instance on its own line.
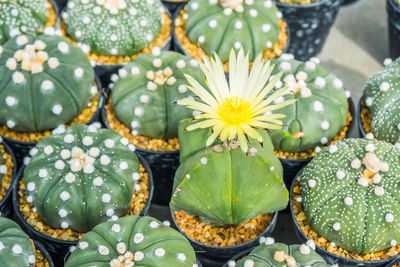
(44, 251)
(14, 174)
(277, 3)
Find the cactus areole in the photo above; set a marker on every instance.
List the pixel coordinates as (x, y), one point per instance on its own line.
(82, 177)
(270, 254)
(16, 248)
(350, 194)
(114, 27)
(143, 96)
(217, 26)
(21, 17)
(44, 82)
(133, 241)
(381, 96)
(321, 108)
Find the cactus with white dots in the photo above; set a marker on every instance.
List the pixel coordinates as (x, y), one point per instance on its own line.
(15, 246)
(114, 27)
(44, 82)
(350, 194)
(320, 111)
(21, 17)
(217, 26)
(223, 185)
(133, 241)
(281, 255)
(81, 177)
(143, 96)
(381, 96)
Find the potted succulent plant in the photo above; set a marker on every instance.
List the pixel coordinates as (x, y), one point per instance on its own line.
(393, 12)
(76, 180)
(321, 115)
(141, 108)
(18, 250)
(202, 28)
(127, 29)
(309, 22)
(133, 241)
(26, 17)
(379, 105)
(45, 83)
(269, 253)
(227, 162)
(8, 172)
(356, 178)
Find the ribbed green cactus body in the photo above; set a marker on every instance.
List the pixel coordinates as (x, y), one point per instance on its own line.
(82, 177)
(112, 27)
(267, 255)
(382, 98)
(3, 168)
(226, 186)
(321, 108)
(144, 95)
(15, 247)
(358, 214)
(21, 17)
(44, 82)
(143, 240)
(218, 28)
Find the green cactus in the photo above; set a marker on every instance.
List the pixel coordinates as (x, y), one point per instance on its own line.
(144, 95)
(44, 82)
(21, 17)
(133, 241)
(114, 27)
(82, 177)
(270, 254)
(381, 96)
(351, 197)
(209, 184)
(217, 26)
(321, 108)
(15, 246)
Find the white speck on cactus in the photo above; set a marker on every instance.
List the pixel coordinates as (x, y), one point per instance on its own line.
(88, 168)
(138, 238)
(135, 71)
(369, 101)
(369, 136)
(11, 101)
(121, 247)
(157, 62)
(53, 62)
(110, 212)
(94, 152)
(31, 259)
(348, 201)
(138, 256)
(17, 249)
(237, 45)
(204, 160)
(3, 169)
(63, 47)
(69, 138)
(116, 228)
(135, 176)
(389, 218)
(338, 84)
(57, 109)
(385, 167)
(31, 186)
(393, 243)
(83, 245)
(87, 140)
(231, 263)
(304, 249)
(340, 174)
(106, 198)
(311, 244)
(59, 165)
(139, 111)
(332, 148)
(333, 244)
(167, 223)
(10, 124)
(238, 25)
(64, 225)
(123, 165)
(29, 199)
(159, 252)
(171, 81)
(11, 64)
(285, 66)
(98, 181)
(320, 82)
(103, 250)
(109, 143)
(363, 182)
(105, 160)
(377, 178)
(336, 226)
(325, 125)
(311, 183)
(69, 178)
(63, 213)
(33, 151)
(78, 72)
(379, 191)
(324, 140)
(64, 196)
(137, 187)
(299, 199)
(181, 257)
(154, 224)
(65, 154)
(310, 65)
(248, 263)
(18, 77)
(384, 87)
(318, 107)
(356, 163)
(370, 147)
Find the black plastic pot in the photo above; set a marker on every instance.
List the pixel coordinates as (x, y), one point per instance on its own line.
(328, 256)
(393, 12)
(238, 256)
(21, 149)
(309, 26)
(163, 165)
(361, 129)
(173, 6)
(348, 2)
(5, 204)
(217, 256)
(394, 262)
(292, 167)
(178, 48)
(44, 251)
(60, 249)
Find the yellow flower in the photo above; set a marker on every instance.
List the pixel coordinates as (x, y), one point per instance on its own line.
(235, 110)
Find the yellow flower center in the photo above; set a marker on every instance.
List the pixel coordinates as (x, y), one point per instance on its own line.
(235, 111)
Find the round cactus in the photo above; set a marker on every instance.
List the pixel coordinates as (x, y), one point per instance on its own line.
(209, 184)
(351, 197)
(16, 248)
(21, 17)
(44, 82)
(81, 177)
(381, 96)
(114, 27)
(144, 95)
(217, 26)
(131, 241)
(320, 111)
(280, 255)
